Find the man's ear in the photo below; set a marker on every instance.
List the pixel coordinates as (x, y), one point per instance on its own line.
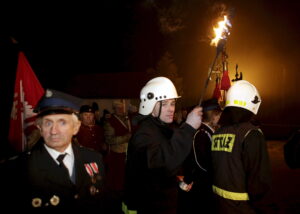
(38, 126)
(76, 127)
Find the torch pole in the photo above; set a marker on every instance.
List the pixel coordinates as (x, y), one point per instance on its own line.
(220, 48)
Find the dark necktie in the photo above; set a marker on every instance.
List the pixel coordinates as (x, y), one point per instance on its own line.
(60, 159)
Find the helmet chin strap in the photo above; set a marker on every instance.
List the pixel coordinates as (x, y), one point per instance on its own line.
(160, 106)
(159, 111)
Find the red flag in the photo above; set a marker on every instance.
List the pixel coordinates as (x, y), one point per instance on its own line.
(225, 81)
(28, 91)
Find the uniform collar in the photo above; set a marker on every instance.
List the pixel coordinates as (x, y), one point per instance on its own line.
(54, 154)
(208, 126)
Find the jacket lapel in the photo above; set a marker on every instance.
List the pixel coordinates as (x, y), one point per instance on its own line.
(49, 169)
(82, 176)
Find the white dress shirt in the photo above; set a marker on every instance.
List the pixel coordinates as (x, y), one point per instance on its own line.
(68, 160)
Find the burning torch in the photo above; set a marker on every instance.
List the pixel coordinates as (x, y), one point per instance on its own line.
(221, 34)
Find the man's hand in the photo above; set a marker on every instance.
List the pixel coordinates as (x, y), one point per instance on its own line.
(194, 118)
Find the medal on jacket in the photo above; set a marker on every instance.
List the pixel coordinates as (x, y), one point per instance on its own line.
(93, 171)
(36, 202)
(54, 200)
(93, 190)
(91, 168)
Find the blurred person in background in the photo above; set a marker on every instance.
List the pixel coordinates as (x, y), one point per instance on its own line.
(90, 134)
(292, 150)
(96, 109)
(117, 132)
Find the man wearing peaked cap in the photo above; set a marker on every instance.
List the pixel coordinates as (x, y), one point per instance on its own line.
(56, 173)
(211, 104)
(90, 134)
(197, 194)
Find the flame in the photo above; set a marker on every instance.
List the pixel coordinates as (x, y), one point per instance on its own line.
(221, 32)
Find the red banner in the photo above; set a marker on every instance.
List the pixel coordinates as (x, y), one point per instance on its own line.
(27, 93)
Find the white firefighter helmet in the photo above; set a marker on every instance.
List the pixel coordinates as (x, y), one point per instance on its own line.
(244, 95)
(157, 89)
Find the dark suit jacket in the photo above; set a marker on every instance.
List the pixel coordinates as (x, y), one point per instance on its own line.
(200, 198)
(202, 148)
(154, 155)
(34, 179)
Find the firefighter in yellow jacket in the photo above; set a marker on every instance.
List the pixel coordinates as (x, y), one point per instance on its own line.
(240, 160)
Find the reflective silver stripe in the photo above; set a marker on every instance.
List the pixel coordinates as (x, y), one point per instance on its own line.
(252, 130)
(236, 196)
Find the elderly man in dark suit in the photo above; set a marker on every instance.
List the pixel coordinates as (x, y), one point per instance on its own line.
(56, 173)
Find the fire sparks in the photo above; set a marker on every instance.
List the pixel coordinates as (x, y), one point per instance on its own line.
(221, 32)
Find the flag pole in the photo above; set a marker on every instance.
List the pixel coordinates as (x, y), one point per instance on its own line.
(23, 138)
(219, 49)
(219, 41)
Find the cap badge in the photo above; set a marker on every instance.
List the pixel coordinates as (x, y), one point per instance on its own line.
(49, 93)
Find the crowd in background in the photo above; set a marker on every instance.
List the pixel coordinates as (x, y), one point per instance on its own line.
(151, 159)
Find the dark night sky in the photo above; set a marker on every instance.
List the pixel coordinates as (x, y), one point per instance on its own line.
(114, 36)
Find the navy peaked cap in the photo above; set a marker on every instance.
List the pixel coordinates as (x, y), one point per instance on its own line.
(87, 108)
(211, 104)
(57, 102)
